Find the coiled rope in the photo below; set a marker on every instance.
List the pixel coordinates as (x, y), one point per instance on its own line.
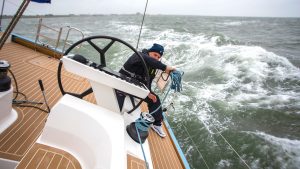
(176, 81)
(176, 85)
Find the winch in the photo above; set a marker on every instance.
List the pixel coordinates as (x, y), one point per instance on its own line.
(7, 114)
(138, 130)
(5, 81)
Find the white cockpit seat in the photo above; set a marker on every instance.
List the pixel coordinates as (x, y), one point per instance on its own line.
(92, 134)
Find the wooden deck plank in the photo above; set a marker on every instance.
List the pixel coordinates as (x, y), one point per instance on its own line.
(163, 153)
(41, 157)
(55, 161)
(135, 163)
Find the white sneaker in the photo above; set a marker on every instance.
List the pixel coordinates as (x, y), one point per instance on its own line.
(158, 130)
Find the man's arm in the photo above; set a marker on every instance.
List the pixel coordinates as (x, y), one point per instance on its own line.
(154, 63)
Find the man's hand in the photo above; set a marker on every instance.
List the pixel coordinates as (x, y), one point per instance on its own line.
(169, 69)
(152, 97)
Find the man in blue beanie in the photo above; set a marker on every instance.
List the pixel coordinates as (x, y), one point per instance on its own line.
(134, 66)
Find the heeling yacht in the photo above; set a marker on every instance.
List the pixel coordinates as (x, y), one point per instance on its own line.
(84, 127)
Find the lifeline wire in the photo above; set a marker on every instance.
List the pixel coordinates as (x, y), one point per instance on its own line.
(195, 146)
(232, 148)
(137, 45)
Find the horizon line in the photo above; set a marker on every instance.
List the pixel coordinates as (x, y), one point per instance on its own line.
(138, 13)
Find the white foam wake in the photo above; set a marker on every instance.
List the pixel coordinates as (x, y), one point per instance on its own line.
(287, 151)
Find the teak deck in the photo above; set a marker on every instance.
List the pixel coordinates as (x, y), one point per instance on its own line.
(19, 139)
(45, 157)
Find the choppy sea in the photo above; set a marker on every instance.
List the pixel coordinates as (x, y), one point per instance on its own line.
(240, 104)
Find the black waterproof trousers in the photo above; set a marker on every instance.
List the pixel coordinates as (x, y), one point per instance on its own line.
(158, 116)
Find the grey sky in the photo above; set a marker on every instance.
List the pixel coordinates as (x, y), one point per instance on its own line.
(268, 8)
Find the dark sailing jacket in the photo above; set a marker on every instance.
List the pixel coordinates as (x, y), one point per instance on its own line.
(134, 65)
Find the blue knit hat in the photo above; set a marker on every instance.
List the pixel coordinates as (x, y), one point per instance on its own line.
(157, 48)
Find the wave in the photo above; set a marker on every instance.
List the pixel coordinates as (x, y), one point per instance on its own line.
(223, 69)
(287, 151)
(239, 23)
(222, 79)
(221, 40)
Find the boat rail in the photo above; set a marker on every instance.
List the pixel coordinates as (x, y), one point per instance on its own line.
(67, 36)
(59, 34)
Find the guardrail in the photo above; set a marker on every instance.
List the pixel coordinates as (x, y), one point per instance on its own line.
(56, 31)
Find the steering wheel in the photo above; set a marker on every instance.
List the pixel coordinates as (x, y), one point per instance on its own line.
(102, 52)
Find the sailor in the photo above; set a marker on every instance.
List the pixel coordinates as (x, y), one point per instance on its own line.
(134, 67)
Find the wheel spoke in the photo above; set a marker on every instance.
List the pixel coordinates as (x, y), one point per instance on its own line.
(95, 46)
(108, 46)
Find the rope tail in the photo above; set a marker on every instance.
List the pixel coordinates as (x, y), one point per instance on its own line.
(176, 80)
